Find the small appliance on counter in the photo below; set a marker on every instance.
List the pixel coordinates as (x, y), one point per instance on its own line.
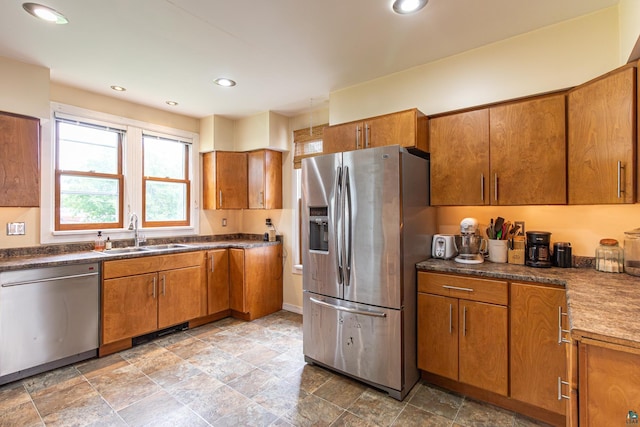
(562, 255)
(469, 243)
(443, 246)
(537, 249)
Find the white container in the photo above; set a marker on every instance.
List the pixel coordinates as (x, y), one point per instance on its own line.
(497, 250)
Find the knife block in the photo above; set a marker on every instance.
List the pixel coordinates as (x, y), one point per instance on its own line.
(515, 254)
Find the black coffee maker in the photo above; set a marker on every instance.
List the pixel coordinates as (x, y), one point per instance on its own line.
(537, 252)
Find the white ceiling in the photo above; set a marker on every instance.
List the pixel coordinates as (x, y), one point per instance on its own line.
(286, 55)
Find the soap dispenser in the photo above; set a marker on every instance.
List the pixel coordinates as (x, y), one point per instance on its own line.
(99, 243)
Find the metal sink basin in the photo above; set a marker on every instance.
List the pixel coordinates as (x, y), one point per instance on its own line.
(120, 251)
(166, 246)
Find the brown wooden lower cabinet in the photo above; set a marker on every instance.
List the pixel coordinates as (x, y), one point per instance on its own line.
(539, 346)
(609, 384)
(462, 339)
(503, 343)
(217, 280)
(255, 276)
(141, 295)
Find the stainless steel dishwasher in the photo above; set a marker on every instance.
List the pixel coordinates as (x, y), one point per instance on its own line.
(49, 317)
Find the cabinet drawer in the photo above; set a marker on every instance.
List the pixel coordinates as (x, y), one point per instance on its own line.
(150, 264)
(470, 288)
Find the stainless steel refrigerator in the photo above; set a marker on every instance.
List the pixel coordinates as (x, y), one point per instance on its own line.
(366, 223)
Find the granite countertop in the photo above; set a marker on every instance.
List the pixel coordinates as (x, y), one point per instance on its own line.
(601, 306)
(57, 255)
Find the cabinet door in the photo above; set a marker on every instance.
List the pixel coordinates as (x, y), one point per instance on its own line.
(217, 281)
(237, 292)
(438, 335)
(224, 180)
(601, 140)
(483, 359)
(178, 295)
(344, 137)
(129, 307)
(528, 152)
(265, 179)
(538, 353)
(19, 161)
(459, 146)
(609, 386)
(391, 129)
(231, 179)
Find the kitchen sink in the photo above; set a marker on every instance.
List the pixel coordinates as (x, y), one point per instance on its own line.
(165, 246)
(120, 251)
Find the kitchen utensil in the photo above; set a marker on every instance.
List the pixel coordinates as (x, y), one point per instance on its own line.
(537, 249)
(443, 246)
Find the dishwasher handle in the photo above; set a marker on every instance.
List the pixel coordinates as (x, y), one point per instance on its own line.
(48, 279)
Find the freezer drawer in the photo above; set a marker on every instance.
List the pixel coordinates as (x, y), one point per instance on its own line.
(357, 339)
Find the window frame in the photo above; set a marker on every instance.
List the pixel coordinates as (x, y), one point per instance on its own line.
(146, 178)
(132, 173)
(59, 173)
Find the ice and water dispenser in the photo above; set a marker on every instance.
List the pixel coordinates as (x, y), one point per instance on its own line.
(318, 229)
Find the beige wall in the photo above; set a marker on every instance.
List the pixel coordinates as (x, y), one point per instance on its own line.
(629, 13)
(555, 57)
(559, 56)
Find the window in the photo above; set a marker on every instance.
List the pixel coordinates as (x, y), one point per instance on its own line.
(89, 178)
(307, 143)
(99, 169)
(165, 181)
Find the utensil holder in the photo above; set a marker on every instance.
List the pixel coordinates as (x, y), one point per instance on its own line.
(515, 254)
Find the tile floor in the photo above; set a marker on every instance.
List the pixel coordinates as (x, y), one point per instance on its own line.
(228, 373)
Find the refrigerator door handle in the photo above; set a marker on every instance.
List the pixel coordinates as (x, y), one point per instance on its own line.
(346, 248)
(349, 310)
(337, 201)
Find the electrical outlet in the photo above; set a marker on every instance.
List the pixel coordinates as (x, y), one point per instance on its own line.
(268, 222)
(15, 229)
(521, 230)
(224, 222)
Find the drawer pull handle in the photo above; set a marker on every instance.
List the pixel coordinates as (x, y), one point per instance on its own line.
(456, 288)
(560, 384)
(348, 309)
(561, 338)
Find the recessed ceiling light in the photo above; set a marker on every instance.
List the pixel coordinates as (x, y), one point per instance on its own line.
(405, 7)
(118, 88)
(222, 81)
(172, 103)
(45, 13)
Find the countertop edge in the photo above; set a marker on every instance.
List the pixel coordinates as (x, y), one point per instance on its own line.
(38, 261)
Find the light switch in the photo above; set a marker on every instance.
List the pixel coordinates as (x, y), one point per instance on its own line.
(15, 228)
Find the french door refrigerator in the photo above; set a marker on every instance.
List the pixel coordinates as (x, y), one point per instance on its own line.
(366, 222)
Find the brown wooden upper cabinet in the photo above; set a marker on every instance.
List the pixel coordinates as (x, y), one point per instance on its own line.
(265, 179)
(602, 124)
(405, 128)
(224, 180)
(507, 154)
(19, 160)
(528, 148)
(459, 145)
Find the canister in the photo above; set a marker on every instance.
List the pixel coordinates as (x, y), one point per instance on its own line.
(562, 254)
(610, 256)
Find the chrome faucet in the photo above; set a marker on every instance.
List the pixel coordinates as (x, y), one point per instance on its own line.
(133, 225)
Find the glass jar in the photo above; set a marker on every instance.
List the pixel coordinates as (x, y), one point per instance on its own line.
(609, 256)
(632, 252)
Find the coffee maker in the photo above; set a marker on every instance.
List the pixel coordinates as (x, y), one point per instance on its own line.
(469, 243)
(537, 252)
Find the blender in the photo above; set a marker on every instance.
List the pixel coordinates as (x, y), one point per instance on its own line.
(469, 243)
